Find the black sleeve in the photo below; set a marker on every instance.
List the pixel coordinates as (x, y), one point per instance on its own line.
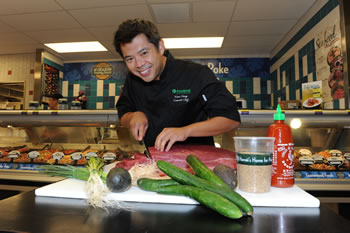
(125, 102)
(218, 101)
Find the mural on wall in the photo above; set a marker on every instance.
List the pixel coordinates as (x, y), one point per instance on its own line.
(329, 60)
(230, 68)
(51, 80)
(102, 82)
(312, 54)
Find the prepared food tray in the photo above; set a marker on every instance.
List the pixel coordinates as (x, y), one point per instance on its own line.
(326, 160)
(58, 155)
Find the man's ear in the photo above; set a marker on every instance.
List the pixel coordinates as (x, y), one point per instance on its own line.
(161, 47)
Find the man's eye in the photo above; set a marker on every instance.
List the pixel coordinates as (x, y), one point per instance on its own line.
(144, 53)
(128, 60)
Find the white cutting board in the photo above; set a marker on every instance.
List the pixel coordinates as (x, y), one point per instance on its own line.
(277, 197)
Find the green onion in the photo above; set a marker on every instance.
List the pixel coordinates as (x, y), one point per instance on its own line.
(80, 173)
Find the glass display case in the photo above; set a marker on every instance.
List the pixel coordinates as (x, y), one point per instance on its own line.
(30, 138)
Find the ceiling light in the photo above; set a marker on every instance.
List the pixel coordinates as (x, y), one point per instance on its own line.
(75, 47)
(193, 42)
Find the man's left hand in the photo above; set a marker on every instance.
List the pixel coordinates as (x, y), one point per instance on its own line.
(166, 139)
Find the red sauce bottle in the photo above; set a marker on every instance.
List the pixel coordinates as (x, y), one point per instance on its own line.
(283, 155)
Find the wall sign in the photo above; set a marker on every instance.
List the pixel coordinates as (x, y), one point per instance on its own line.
(102, 70)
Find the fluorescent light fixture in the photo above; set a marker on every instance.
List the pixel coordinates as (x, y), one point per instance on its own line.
(193, 42)
(76, 47)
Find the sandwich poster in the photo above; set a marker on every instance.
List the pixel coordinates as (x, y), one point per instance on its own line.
(329, 59)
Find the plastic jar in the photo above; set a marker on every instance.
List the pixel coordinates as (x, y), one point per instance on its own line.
(76, 105)
(62, 104)
(33, 105)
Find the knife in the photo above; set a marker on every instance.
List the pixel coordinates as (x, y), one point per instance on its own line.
(146, 152)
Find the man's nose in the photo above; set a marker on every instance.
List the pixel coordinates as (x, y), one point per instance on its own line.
(139, 62)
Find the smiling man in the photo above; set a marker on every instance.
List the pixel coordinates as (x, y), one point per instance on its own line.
(165, 100)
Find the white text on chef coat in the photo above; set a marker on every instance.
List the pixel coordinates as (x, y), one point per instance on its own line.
(180, 98)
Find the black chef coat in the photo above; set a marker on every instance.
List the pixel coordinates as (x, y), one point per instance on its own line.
(187, 92)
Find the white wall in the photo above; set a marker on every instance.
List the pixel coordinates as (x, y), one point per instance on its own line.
(21, 67)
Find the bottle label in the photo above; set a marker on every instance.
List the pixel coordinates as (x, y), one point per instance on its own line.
(283, 161)
(254, 158)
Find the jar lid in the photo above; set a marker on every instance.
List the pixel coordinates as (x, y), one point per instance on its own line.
(33, 103)
(62, 101)
(76, 103)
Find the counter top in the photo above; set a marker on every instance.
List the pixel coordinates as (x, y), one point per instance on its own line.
(27, 213)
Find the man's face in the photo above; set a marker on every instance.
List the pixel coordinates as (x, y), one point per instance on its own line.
(143, 59)
(53, 104)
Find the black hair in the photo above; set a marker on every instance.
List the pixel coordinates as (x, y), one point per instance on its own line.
(131, 28)
(56, 96)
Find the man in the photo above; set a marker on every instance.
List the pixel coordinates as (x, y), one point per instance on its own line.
(167, 101)
(83, 100)
(53, 101)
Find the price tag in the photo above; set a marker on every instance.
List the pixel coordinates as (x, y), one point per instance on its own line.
(318, 158)
(244, 112)
(318, 112)
(76, 156)
(335, 160)
(109, 156)
(14, 154)
(57, 155)
(90, 154)
(33, 154)
(347, 156)
(306, 160)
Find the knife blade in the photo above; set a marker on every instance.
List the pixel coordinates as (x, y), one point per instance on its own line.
(146, 152)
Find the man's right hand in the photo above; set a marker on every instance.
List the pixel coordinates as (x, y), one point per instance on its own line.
(137, 122)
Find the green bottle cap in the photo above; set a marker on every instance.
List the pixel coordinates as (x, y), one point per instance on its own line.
(278, 116)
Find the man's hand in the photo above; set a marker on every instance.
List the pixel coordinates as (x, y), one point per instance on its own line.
(211, 127)
(137, 122)
(169, 136)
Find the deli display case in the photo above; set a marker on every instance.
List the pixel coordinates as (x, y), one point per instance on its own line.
(30, 138)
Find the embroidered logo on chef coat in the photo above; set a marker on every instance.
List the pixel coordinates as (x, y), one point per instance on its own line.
(181, 95)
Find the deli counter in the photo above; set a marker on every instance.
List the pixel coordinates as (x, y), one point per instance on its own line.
(30, 138)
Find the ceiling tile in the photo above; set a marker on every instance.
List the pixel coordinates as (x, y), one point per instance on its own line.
(174, 1)
(110, 16)
(172, 13)
(263, 27)
(64, 35)
(219, 11)
(40, 21)
(192, 29)
(271, 9)
(81, 4)
(6, 28)
(103, 33)
(15, 38)
(27, 6)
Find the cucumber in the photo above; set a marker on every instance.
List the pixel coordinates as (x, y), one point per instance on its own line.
(203, 171)
(153, 184)
(186, 178)
(210, 199)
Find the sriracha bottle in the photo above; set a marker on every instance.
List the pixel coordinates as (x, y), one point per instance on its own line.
(283, 155)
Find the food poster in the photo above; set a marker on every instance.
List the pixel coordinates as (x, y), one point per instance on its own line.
(312, 95)
(326, 164)
(329, 60)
